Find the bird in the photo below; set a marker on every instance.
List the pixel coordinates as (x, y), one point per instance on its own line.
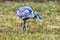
(25, 13)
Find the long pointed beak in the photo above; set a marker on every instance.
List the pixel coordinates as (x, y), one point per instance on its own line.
(41, 21)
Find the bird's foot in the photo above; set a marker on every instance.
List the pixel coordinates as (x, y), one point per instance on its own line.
(24, 29)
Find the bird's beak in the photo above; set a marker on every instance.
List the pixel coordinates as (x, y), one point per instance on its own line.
(41, 21)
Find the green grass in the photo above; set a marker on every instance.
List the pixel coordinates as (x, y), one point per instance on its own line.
(11, 25)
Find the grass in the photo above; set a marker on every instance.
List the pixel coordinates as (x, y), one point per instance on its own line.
(11, 25)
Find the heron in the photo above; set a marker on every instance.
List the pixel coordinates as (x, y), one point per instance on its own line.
(26, 13)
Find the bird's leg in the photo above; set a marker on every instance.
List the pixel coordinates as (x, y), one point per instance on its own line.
(24, 28)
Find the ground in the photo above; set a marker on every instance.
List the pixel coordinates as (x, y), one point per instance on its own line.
(11, 25)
